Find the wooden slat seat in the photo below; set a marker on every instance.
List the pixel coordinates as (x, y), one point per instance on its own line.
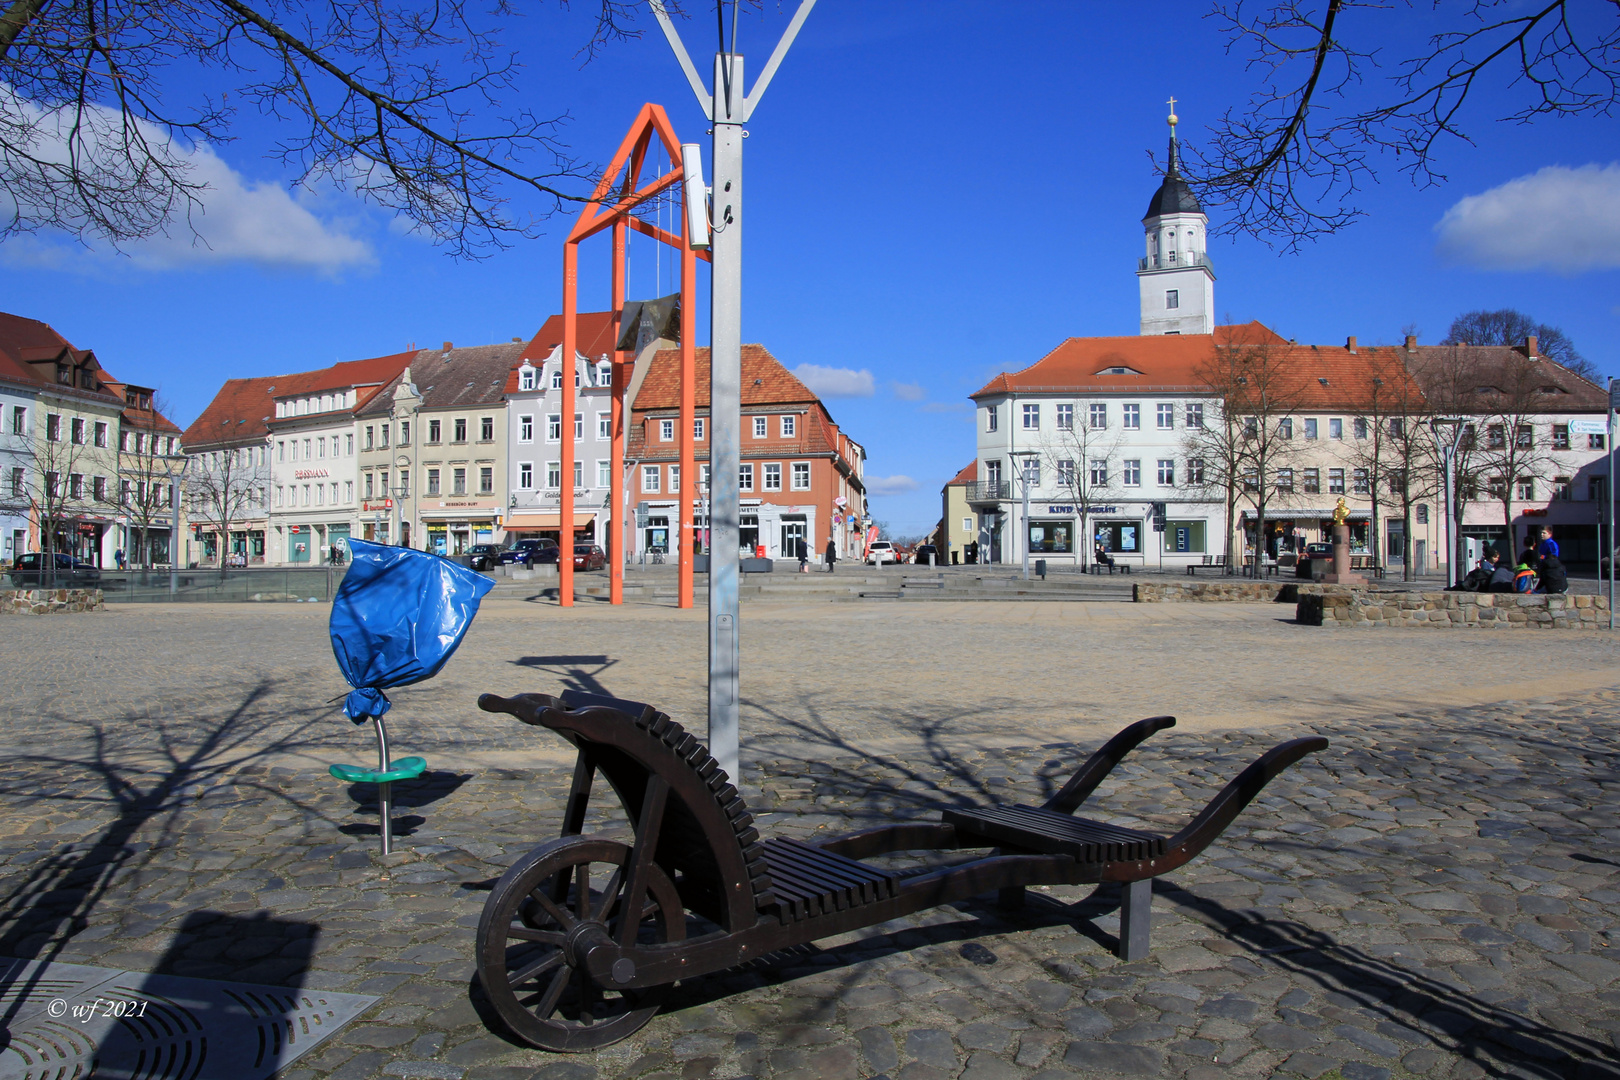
(1051, 833)
(808, 881)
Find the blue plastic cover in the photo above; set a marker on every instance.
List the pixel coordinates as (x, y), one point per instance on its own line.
(396, 619)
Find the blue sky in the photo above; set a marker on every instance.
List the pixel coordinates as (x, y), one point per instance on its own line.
(935, 192)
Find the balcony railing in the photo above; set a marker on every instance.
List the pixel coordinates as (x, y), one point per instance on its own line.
(1174, 261)
(989, 490)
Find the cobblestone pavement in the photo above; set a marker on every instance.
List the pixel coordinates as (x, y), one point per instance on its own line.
(1434, 895)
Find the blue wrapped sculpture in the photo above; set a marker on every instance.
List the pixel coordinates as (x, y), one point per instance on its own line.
(397, 619)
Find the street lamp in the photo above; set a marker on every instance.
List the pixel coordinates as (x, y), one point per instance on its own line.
(1026, 463)
(174, 479)
(1448, 455)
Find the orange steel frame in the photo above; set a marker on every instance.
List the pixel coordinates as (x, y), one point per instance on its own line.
(616, 213)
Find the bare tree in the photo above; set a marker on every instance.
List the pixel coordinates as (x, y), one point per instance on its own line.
(1391, 446)
(1510, 327)
(1287, 165)
(1259, 393)
(1510, 403)
(1450, 378)
(222, 486)
(1213, 449)
(409, 103)
(1080, 458)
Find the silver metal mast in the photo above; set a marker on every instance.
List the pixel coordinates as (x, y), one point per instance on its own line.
(728, 108)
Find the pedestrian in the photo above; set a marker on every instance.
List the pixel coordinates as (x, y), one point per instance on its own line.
(804, 555)
(118, 557)
(832, 554)
(1548, 545)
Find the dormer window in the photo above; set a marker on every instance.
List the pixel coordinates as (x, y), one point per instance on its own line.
(526, 377)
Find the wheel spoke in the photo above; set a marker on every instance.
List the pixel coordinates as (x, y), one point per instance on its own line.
(553, 994)
(582, 901)
(609, 894)
(518, 978)
(523, 933)
(557, 911)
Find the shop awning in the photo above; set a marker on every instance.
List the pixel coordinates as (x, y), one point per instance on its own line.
(543, 520)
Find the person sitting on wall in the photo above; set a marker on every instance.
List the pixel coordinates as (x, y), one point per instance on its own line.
(1554, 579)
(1524, 578)
(1502, 578)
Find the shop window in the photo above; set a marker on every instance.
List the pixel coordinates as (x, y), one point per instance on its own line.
(1119, 536)
(1184, 537)
(1051, 537)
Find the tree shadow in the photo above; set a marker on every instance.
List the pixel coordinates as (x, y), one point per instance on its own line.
(1421, 1008)
(43, 912)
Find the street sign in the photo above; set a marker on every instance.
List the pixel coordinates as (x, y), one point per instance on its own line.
(1614, 393)
(1587, 427)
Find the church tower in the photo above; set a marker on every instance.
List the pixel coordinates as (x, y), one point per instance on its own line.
(1177, 282)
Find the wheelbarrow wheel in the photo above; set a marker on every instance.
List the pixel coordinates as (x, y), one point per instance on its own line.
(523, 961)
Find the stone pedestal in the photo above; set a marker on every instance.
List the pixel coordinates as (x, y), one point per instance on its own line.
(1341, 573)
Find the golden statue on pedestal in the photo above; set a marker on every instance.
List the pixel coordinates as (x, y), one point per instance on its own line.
(1341, 513)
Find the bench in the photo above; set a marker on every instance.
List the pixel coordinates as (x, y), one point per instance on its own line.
(1098, 568)
(1210, 562)
(581, 937)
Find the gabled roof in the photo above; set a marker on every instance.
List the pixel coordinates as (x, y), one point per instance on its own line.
(764, 381)
(145, 419)
(595, 337)
(29, 345)
(969, 473)
(464, 377)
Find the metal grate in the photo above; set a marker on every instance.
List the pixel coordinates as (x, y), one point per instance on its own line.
(64, 1024)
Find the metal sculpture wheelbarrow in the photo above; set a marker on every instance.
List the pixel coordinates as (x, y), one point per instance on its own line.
(581, 936)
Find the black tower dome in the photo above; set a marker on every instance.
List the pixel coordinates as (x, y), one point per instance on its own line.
(1173, 196)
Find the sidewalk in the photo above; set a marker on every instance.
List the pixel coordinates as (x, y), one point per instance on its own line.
(1434, 895)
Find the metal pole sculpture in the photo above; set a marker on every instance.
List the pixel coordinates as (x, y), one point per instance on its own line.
(727, 108)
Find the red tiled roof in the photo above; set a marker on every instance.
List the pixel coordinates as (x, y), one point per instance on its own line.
(595, 337)
(148, 421)
(1322, 377)
(1502, 367)
(968, 475)
(23, 340)
(240, 411)
(764, 381)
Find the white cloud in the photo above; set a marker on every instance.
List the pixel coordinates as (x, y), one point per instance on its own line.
(834, 382)
(890, 485)
(1558, 218)
(240, 220)
(909, 391)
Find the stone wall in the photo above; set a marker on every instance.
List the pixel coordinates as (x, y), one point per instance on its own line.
(1231, 590)
(50, 601)
(1355, 607)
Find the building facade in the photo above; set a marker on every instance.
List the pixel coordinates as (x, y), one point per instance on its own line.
(801, 476)
(18, 398)
(434, 442)
(535, 429)
(228, 476)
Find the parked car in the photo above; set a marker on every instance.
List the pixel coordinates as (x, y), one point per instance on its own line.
(32, 570)
(589, 557)
(880, 552)
(530, 552)
(924, 551)
(484, 556)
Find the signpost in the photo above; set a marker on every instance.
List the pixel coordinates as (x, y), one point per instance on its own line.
(727, 108)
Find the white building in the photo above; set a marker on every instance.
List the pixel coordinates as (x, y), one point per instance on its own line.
(17, 398)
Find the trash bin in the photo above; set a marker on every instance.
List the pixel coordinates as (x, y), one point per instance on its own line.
(1040, 569)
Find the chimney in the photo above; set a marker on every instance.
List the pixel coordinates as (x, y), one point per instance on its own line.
(448, 346)
(1411, 342)
(1530, 346)
(1350, 344)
